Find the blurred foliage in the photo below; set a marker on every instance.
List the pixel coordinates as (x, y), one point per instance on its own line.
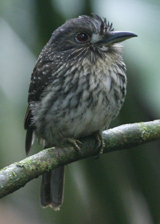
(121, 187)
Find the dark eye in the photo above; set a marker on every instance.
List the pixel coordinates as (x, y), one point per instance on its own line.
(82, 37)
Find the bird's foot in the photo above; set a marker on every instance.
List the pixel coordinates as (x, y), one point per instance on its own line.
(101, 143)
(76, 143)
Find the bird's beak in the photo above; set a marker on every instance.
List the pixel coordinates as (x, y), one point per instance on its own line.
(117, 36)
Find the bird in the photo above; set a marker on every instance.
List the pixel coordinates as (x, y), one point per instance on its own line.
(77, 88)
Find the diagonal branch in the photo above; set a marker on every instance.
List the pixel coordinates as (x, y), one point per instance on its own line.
(126, 136)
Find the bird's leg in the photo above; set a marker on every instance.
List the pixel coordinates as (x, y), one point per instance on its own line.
(75, 143)
(100, 141)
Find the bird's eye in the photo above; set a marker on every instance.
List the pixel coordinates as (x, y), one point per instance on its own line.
(82, 37)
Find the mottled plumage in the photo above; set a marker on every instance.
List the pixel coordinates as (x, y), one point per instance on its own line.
(77, 87)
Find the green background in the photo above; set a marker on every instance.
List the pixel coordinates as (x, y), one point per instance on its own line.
(119, 188)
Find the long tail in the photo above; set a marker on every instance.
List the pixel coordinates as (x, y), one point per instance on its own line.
(52, 187)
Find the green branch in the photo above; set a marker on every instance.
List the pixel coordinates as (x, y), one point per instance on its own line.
(126, 136)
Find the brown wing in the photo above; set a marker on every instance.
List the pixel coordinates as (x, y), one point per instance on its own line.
(41, 77)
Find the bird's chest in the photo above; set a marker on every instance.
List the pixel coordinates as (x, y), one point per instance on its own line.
(93, 103)
(84, 102)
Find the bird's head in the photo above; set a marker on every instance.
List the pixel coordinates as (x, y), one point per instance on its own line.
(86, 36)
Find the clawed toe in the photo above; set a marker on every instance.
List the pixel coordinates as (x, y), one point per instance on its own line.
(75, 143)
(101, 143)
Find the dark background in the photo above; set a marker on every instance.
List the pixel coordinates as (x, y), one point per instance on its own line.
(119, 188)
